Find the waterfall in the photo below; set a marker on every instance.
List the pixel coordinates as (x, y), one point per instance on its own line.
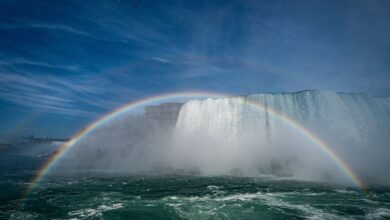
(309, 135)
(253, 134)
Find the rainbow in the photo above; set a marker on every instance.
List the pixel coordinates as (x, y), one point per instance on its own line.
(188, 95)
(51, 162)
(312, 137)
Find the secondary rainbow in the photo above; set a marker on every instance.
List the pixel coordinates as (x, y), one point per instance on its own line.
(188, 95)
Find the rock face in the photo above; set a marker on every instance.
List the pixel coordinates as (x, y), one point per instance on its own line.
(164, 114)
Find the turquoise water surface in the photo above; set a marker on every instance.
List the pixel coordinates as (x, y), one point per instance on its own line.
(187, 197)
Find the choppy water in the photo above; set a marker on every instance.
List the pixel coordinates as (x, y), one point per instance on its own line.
(180, 197)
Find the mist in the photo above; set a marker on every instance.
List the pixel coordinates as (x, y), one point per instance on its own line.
(231, 136)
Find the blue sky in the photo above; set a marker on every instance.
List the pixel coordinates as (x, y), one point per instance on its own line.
(65, 63)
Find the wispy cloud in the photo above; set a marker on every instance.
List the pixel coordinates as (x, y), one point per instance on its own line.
(56, 94)
(59, 27)
(114, 53)
(56, 27)
(23, 61)
(161, 60)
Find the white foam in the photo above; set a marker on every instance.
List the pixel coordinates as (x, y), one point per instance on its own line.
(209, 204)
(380, 213)
(94, 212)
(344, 191)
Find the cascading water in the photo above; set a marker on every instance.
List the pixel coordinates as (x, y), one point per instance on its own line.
(254, 134)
